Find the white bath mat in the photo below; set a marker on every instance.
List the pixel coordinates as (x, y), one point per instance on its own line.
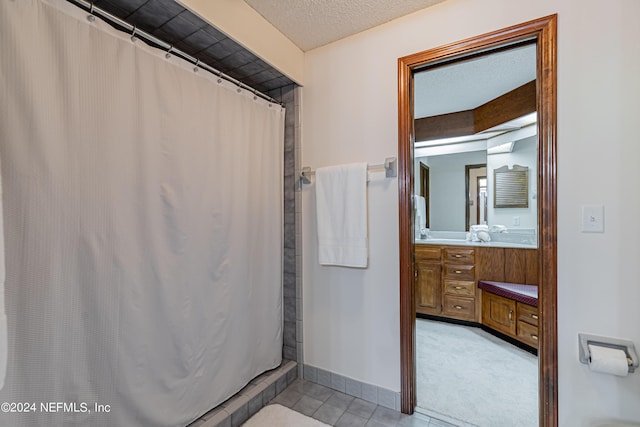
(278, 416)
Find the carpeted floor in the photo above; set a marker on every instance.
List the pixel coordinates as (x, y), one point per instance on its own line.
(468, 375)
(278, 416)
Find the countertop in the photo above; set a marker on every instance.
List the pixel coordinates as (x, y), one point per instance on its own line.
(460, 242)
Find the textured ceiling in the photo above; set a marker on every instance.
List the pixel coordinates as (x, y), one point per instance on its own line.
(465, 85)
(313, 23)
(173, 24)
(438, 91)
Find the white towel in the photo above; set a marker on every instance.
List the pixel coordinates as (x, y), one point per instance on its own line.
(421, 210)
(341, 208)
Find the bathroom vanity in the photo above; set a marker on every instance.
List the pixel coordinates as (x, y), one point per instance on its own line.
(446, 282)
(446, 285)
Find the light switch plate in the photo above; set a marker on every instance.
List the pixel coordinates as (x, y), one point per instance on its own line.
(592, 219)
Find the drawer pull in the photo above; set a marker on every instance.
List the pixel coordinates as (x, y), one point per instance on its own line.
(458, 287)
(511, 315)
(457, 307)
(534, 316)
(457, 256)
(458, 272)
(534, 337)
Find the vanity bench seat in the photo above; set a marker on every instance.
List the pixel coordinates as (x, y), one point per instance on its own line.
(512, 309)
(527, 294)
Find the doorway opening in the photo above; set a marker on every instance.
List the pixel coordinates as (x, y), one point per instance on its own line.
(475, 195)
(542, 32)
(424, 189)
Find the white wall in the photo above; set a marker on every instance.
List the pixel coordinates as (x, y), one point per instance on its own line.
(351, 317)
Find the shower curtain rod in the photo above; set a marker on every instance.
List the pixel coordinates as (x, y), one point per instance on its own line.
(137, 33)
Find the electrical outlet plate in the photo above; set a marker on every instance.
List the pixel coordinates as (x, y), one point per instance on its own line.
(592, 219)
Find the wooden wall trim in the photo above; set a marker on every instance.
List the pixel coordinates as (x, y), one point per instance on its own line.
(512, 105)
(544, 32)
(461, 123)
(509, 106)
(405, 186)
(547, 220)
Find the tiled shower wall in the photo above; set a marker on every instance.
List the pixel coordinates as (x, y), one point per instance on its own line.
(292, 280)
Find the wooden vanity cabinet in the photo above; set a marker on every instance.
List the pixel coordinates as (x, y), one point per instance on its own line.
(512, 318)
(459, 283)
(445, 282)
(428, 280)
(499, 313)
(446, 285)
(527, 329)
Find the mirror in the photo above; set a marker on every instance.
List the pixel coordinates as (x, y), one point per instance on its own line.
(476, 138)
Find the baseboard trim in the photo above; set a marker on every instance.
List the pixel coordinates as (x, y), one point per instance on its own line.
(369, 392)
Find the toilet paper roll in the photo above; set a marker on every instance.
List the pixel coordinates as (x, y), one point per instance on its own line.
(608, 360)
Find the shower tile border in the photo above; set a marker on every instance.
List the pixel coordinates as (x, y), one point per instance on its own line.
(256, 395)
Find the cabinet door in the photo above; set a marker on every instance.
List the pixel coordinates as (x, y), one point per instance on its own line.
(499, 313)
(428, 288)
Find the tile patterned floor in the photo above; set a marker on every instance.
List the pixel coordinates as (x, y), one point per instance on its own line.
(341, 410)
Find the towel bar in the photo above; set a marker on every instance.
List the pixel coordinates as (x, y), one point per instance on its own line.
(390, 166)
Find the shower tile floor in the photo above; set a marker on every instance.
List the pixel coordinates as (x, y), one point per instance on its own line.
(341, 410)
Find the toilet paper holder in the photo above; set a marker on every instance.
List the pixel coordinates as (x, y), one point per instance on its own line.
(625, 345)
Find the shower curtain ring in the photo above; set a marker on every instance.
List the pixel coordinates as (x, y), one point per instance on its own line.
(195, 69)
(133, 34)
(255, 94)
(168, 54)
(91, 18)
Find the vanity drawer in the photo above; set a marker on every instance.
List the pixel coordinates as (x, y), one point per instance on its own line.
(528, 313)
(423, 252)
(457, 287)
(460, 272)
(459, 307)
(528, 333)
(459, 255)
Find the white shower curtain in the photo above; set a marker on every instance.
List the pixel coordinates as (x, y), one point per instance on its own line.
(143, 226)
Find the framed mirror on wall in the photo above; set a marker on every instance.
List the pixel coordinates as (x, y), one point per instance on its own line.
(539, 191)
